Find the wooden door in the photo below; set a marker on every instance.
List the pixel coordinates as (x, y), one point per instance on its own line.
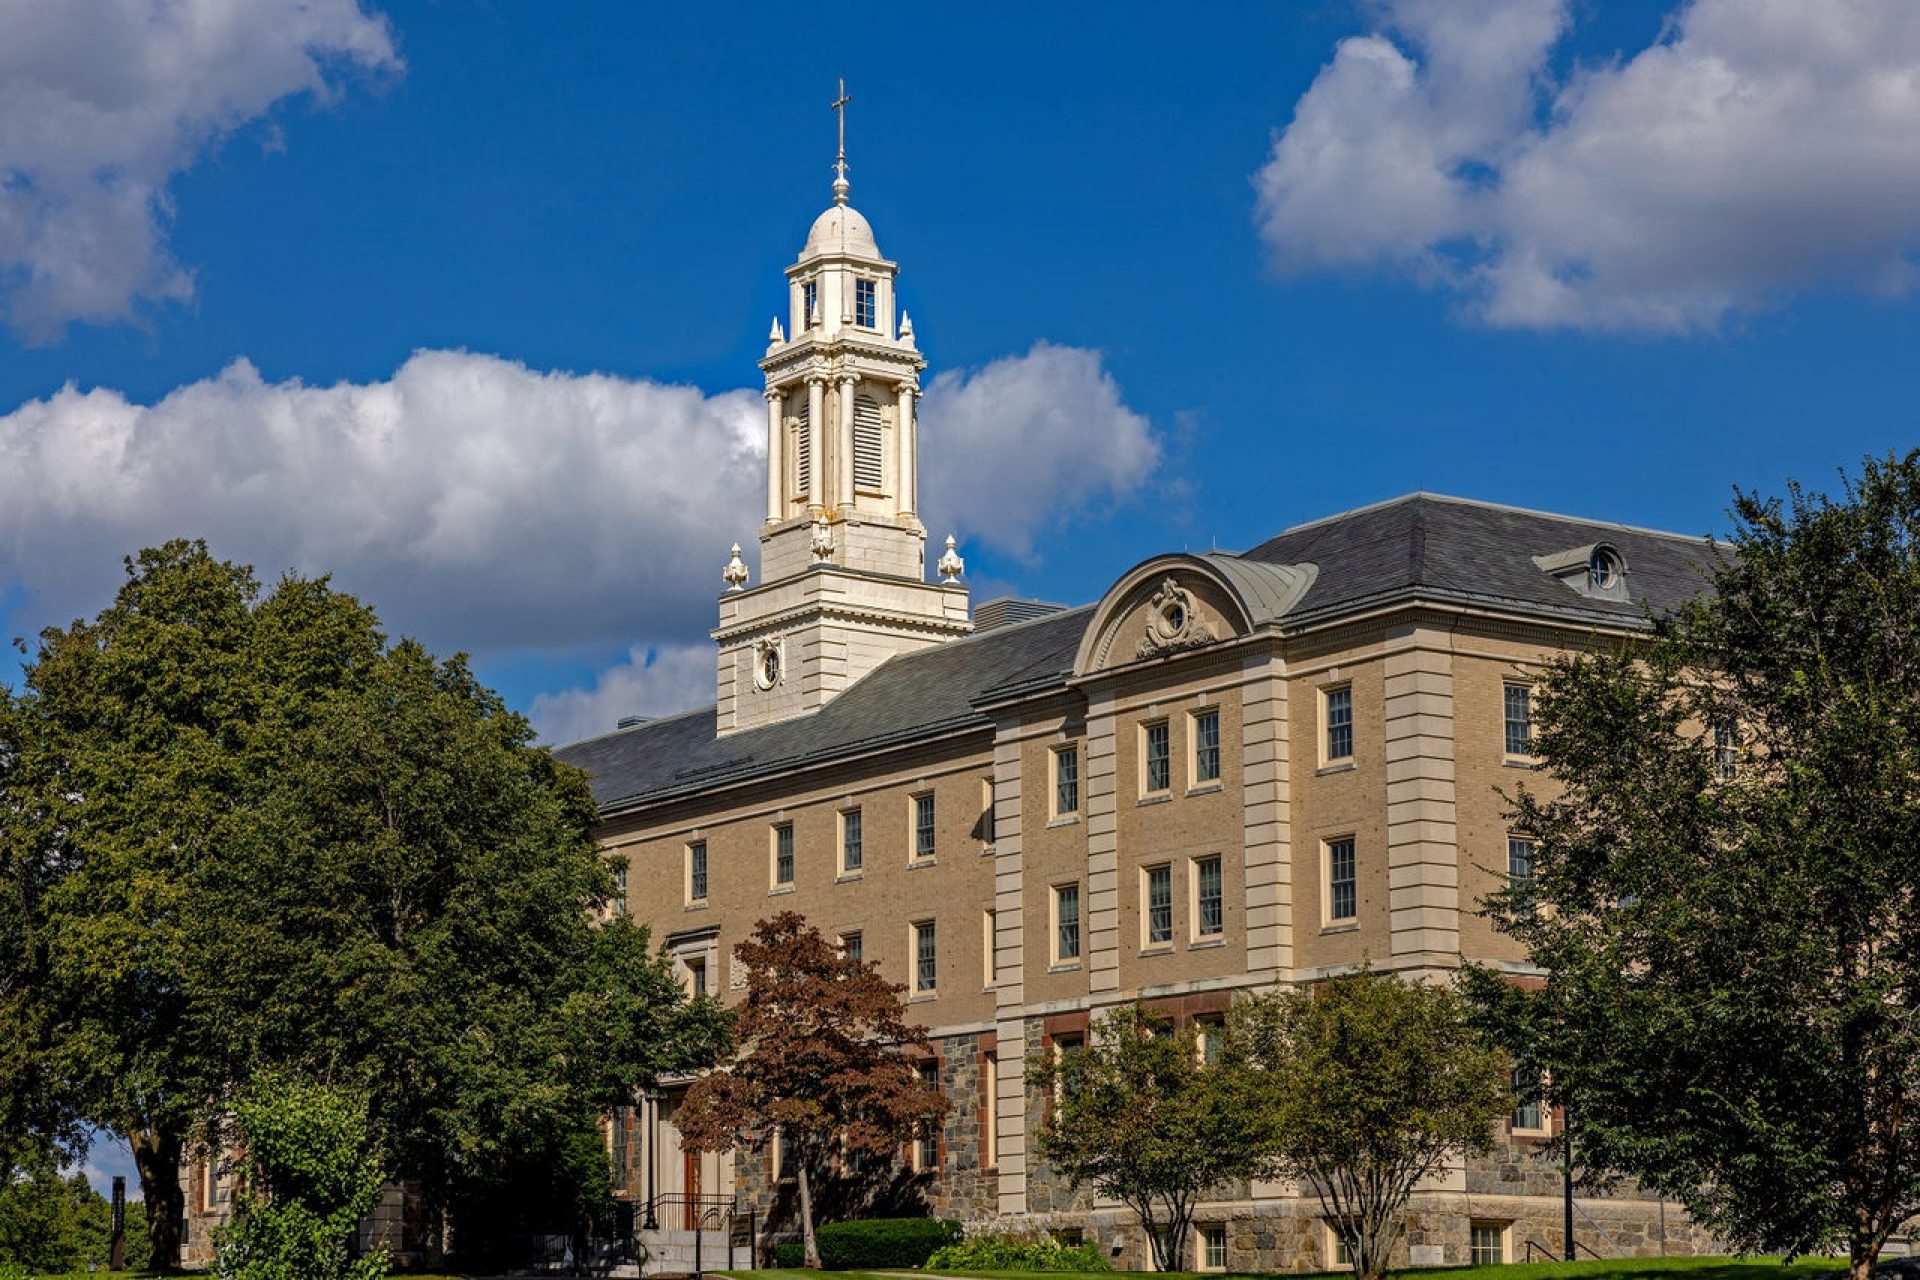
(690, 1182)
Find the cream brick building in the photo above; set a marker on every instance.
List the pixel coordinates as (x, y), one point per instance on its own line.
(1231, 772)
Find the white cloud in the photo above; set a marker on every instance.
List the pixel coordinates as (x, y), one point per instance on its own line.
(102, 102)
(652, 681)
(490, 507)
(1758, 148)
(1028, 443)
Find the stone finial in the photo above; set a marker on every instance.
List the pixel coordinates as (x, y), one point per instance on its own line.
(822, 543)
(775, 335)
(906, 328)
(951, 566)
(736, 571)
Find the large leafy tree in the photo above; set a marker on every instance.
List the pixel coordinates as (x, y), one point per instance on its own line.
(244, 830)
(1141, 1116)
(1371, 1084)
(1723, 893)
(827, 1057)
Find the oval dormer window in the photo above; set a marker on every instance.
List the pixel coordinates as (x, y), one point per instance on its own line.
(1603, 567)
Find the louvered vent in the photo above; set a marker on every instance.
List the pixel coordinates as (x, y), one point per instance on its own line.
(803, 453)
(868, 470)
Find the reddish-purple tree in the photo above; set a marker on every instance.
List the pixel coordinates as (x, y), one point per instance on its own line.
(826, 1055)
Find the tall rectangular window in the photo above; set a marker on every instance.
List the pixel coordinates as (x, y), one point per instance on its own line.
(990, 1109)
(1066, 922)
(986, 825)
(1206, 746)
(1066, 781)
(1343, 899)
(1519, 719)
(809, 304)
(783, 854)
(1488, 1244)
(1159, 904)
(1211, 1035)
(923, 825)
(926, 1144)
(1530, 1116)
(1520, 872)
(1158, 775)
(619, 902)
(1726, 751)
(1209, 917)
(1213, 1248)
(852, 846)
(864, 310)
(697, 871)
(1340, 723)
(926, 958)
(853, 948)
(697, 976)
(989, 919)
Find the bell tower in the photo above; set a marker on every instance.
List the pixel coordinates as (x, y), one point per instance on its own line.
(842, 551)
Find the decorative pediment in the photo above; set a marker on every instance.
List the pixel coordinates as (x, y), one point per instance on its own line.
(1173, 622)
(1178, 604)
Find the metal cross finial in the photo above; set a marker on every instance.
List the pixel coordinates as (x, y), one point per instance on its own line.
(839, 106)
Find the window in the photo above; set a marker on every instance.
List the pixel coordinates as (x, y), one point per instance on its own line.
(1339, 703)
(1520, 873)
(1487, 1244)
(1066, 781)
(926, 967)
(863, 303)
(990, 1109)
(1066, 922)
(1519, 719)
(1726, 751)
(1065, 1045)
(1208, 907)
(853, 948)
(1159, 904)
(697, 871)
(988, 919)
(809, 304)
(697, 976)
(1213, 1248)
(1530, 1116)
(1343, 903)
(1337, 1247)
(869, 451)
(926, 1144)
(1156, 758)
(219, 1189)
(985, 827)
(619, 900)
(923, 826)
(782, 855)
(1210, 1038)
(782, 1155)
(1206, 747)
(852, 853)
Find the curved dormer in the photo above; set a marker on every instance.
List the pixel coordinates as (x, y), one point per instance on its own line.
(1173, 604)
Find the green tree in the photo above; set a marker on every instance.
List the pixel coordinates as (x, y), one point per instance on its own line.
(53, 1221)
(1141, 1116)
(1370, 1084)
(312, 1173)
(244, 831)
(1724, 881)
(826, 1057)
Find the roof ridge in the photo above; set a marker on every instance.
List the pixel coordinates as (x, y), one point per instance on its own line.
(647, 723)
(1424, 495)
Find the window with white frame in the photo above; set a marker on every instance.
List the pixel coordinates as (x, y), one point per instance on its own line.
(926, 1142)
(923, 828)
(986, 815)
(1213, 1247)
(1159, 904)
(1343, 898)
(1520, 872)
(1206, 746)
(990, 1110)
(926, 958)
(1531, 1115)
(1210, 1038)
(1156, 758)
(1066, 922)
(783, 855)
(853, 947)
(697, 975)
(1338, 705)
(1065, 1045)
(618, 903)
(1337, 1246)
(1209, 900)
(697, 871)
(988, 920)
(1726, 751)
(852, 841)
(865, 310)
(1487, 1244)
(1066, 780)
(809, 304)
(1517, 700)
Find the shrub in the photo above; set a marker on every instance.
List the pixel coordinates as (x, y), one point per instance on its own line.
(790, 1257)
(1016, 1251)
(880, 1243)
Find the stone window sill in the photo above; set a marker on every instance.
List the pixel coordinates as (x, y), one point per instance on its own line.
(1205, 788)
(848, 877)
(1157, 949)
(1158, 797)
(1204, 943)
(696, 906)
(915, 864)
(1520, 762)
(779, 889)
(1064, 820)
(1345, 766)
(1064, 966)
(921, 996)
(987, 851)
(1348, 926)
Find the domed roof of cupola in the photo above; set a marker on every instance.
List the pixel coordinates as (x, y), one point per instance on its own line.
(841, 229)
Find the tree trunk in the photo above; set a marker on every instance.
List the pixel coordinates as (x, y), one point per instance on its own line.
(811, 1246)
(156, 1154)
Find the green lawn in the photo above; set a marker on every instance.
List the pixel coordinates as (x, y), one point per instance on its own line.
(1613, 1269)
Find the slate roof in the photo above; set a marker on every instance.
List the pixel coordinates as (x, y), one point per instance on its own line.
(1421, 546)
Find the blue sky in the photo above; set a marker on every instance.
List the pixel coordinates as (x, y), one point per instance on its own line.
(614, 189)
(459, 299)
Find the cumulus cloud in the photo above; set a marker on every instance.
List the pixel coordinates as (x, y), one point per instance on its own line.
(1027, 443)
(487, 506)
(102, 102)
(1758, 147)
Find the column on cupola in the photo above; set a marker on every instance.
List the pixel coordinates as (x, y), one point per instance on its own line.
(816, 416)
(776, 412)
(909, 480)
(847, 384)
